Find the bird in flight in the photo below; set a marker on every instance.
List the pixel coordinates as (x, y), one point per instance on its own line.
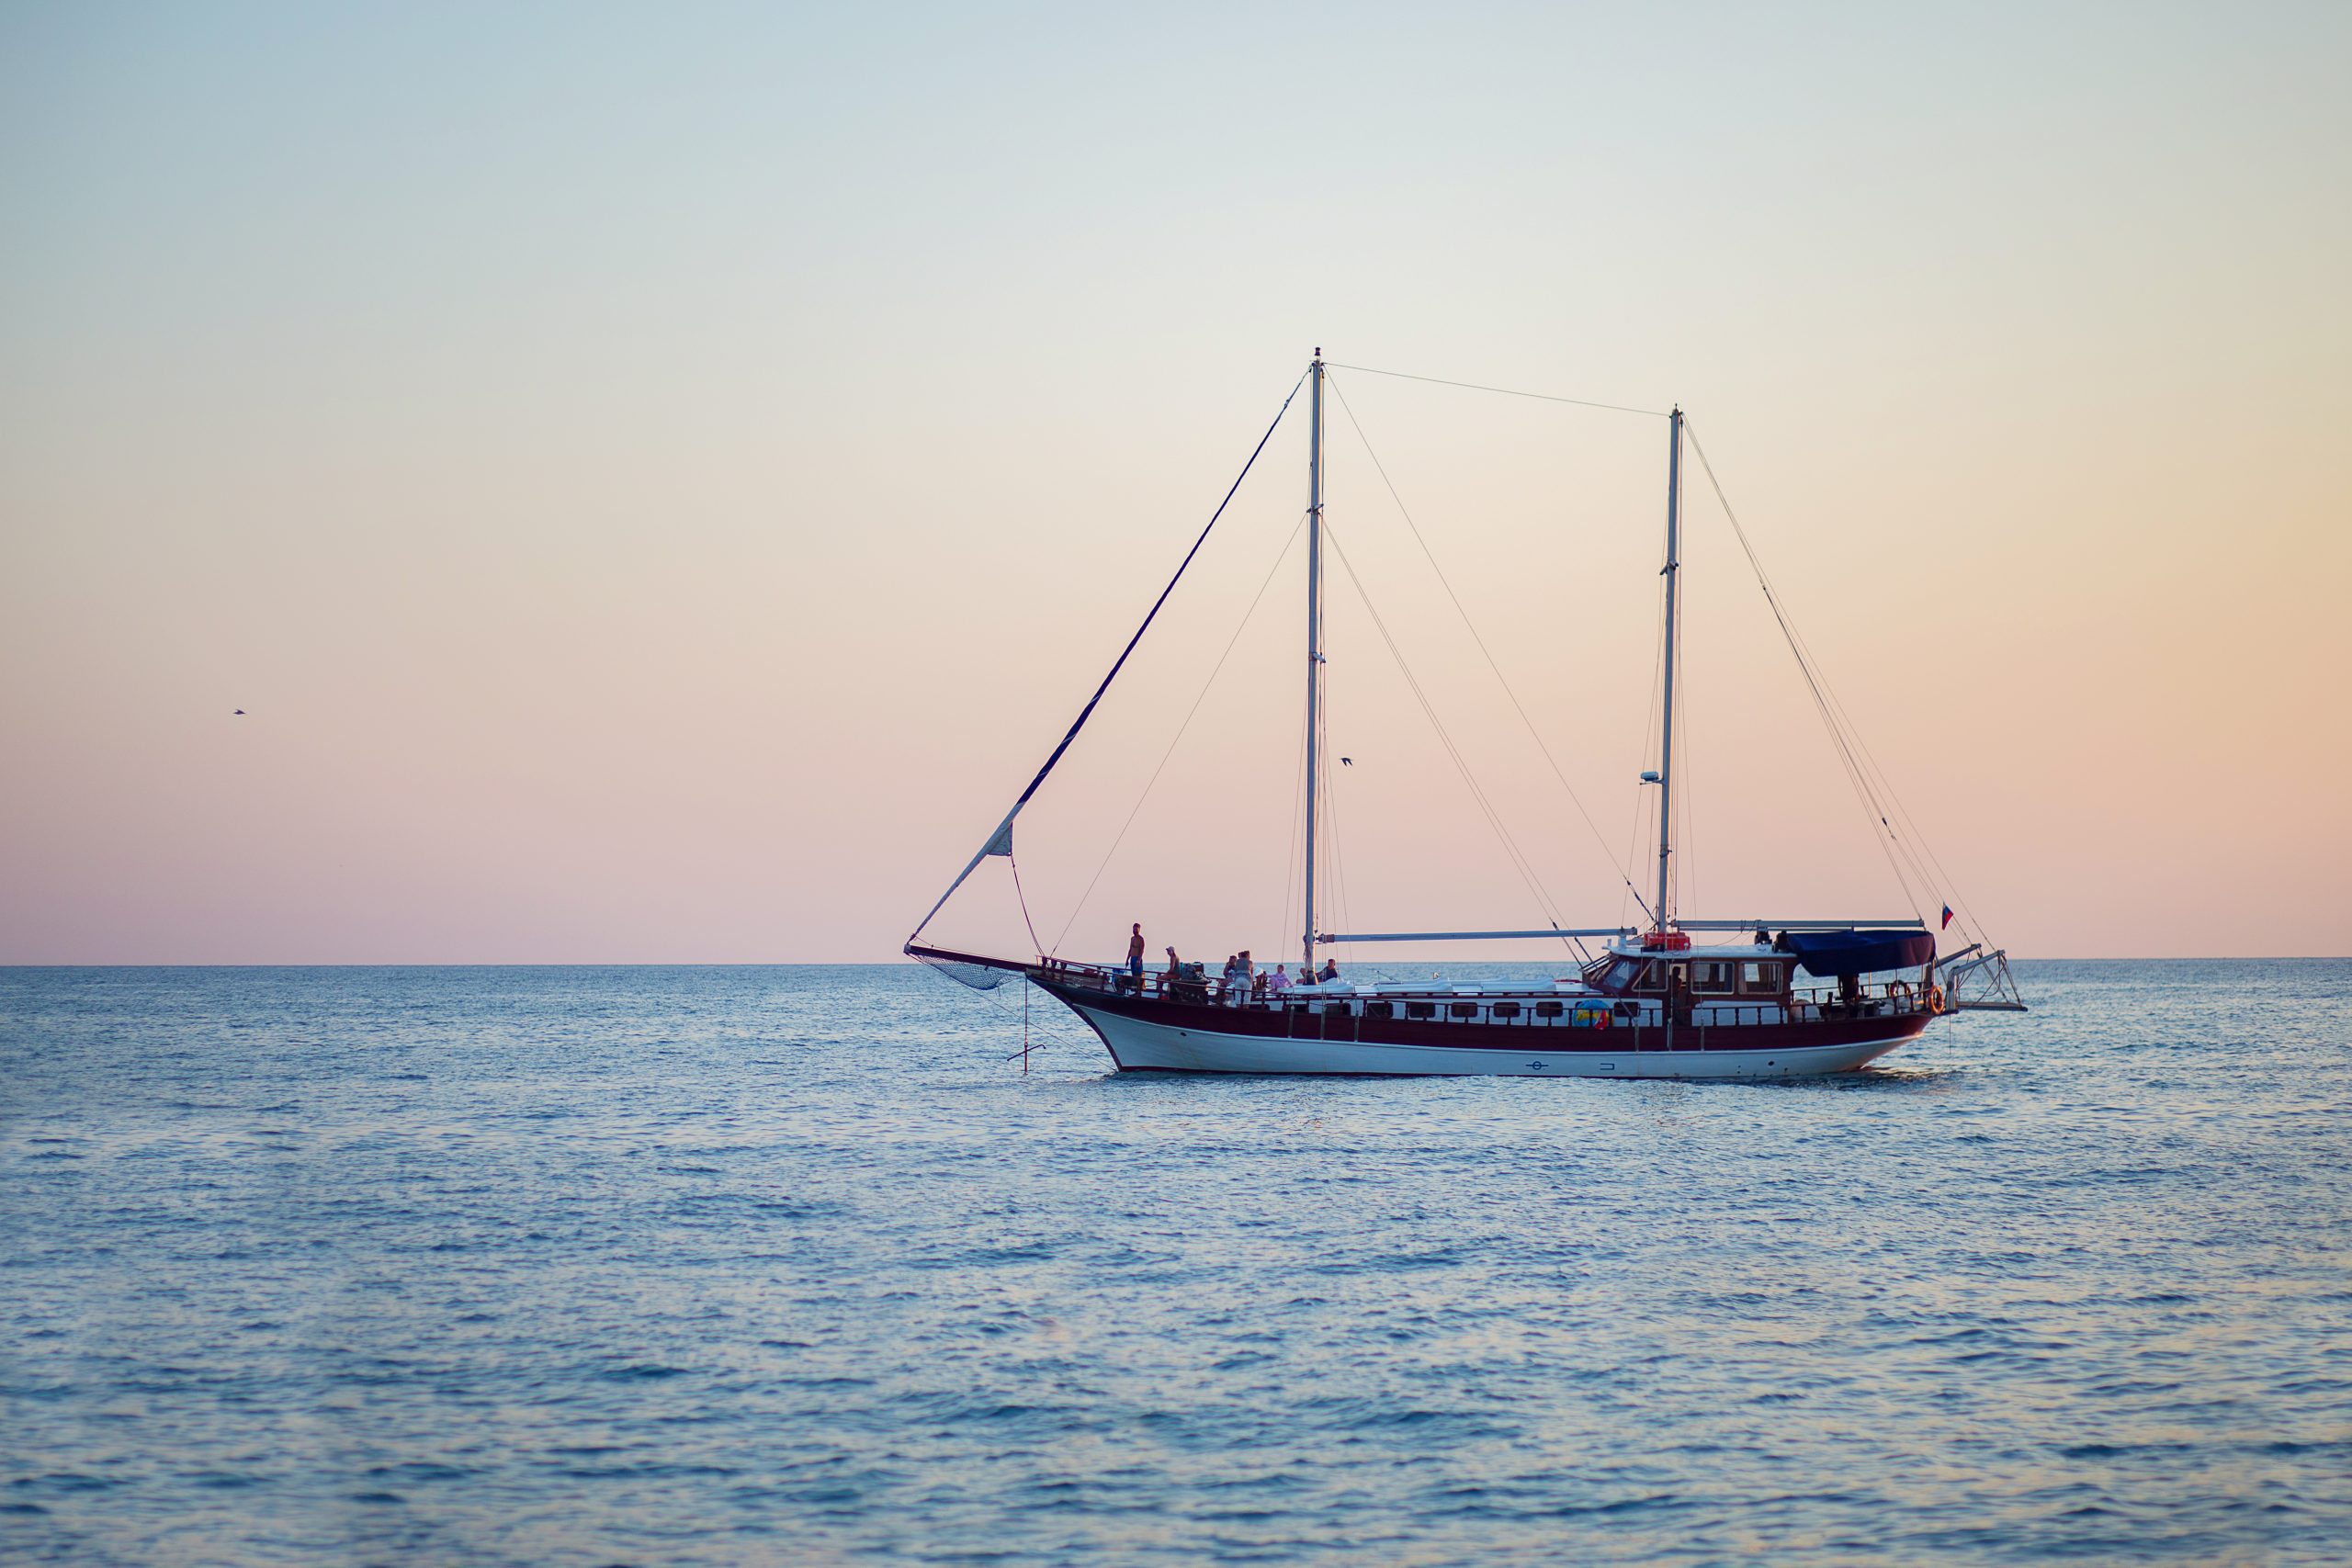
(239, 714)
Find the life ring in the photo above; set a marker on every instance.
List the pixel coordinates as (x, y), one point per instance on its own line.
(1935, 999)
(1603, 1021)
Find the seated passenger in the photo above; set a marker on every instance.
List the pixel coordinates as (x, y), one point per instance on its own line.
(1328, 973)
(1279, 981)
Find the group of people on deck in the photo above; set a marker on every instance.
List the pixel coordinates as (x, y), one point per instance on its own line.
(1239, 981)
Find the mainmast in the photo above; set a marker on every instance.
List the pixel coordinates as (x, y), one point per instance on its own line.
(1673, 574)
(1314, 641)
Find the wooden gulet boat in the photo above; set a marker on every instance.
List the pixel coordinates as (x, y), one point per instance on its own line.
(1677, 998)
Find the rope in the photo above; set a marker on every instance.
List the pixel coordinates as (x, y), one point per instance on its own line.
(1036, 946)
(1459, 609)
(1833, 716)
(1088, 711)
(1506, 391)
(1519, 860)
(1338, 886)
(1297, 820)
(1645, 816)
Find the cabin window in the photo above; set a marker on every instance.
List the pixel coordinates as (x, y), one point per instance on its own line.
(1379, 1010)
(1760, 978)
(1506, 1010)
(1620, 975)
(1420, 1009)
(1652, 977)
(1711, 975)
(1464, 1009)
(1549, 1009)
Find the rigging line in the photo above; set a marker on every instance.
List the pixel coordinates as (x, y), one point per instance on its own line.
(1036, 946)
(1877, 788)
(1506, 391)
(1516, 859)
(1686, 797)
(1335, 884)
(1513, 856)
(1327, 893)
(1814, 684)
(1339, 856)
(1645, 813)
(1335, 880)
(1188, 715)
(1088, 711)
(1941, 881)
(1459, 609)
(1832, 718)
(1519, 860)
(1297, 814)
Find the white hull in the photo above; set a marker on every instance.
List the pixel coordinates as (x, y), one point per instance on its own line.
(1138, 1045)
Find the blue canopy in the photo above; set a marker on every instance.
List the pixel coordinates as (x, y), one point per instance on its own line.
(1858, 953)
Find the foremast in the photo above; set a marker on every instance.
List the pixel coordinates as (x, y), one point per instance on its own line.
(1314, 642)
(1672, 573)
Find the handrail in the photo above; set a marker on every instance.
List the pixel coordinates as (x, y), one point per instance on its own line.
(1893, 998)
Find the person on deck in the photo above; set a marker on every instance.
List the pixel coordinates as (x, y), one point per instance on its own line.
(1328, 973)
(1278, 982)
(1134, 957)
(1175, 973)
(1245, 977)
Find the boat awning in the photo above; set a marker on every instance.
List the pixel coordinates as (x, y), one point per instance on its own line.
(1858, 951)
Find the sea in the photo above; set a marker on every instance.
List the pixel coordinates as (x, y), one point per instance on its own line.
(803, 1265)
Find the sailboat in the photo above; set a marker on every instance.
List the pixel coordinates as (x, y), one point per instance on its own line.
(1676, 997)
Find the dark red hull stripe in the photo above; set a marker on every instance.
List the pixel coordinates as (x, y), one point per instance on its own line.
(1522, 1033)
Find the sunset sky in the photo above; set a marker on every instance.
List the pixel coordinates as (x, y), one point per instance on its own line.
(658, 479)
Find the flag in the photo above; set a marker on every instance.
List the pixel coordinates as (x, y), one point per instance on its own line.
(1947, 925)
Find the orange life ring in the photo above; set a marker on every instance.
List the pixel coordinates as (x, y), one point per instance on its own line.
(1935, 999)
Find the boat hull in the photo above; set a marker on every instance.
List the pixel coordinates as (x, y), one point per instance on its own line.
(1149, 1035)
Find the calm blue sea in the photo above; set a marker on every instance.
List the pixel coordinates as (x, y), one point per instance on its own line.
(720, 1265)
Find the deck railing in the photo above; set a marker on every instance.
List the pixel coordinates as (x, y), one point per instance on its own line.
(1807, 1004)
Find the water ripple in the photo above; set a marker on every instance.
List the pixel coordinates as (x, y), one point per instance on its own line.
(716, 1266)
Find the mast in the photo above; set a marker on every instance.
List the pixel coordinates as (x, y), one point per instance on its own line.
(1314, 639)
(1673, 575)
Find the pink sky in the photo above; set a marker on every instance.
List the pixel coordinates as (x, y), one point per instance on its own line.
(659, 491)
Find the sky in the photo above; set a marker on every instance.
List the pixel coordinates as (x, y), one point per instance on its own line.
(658, 480)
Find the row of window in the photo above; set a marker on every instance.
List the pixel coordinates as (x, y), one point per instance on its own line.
(1471, 1009)
(1705, 977)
